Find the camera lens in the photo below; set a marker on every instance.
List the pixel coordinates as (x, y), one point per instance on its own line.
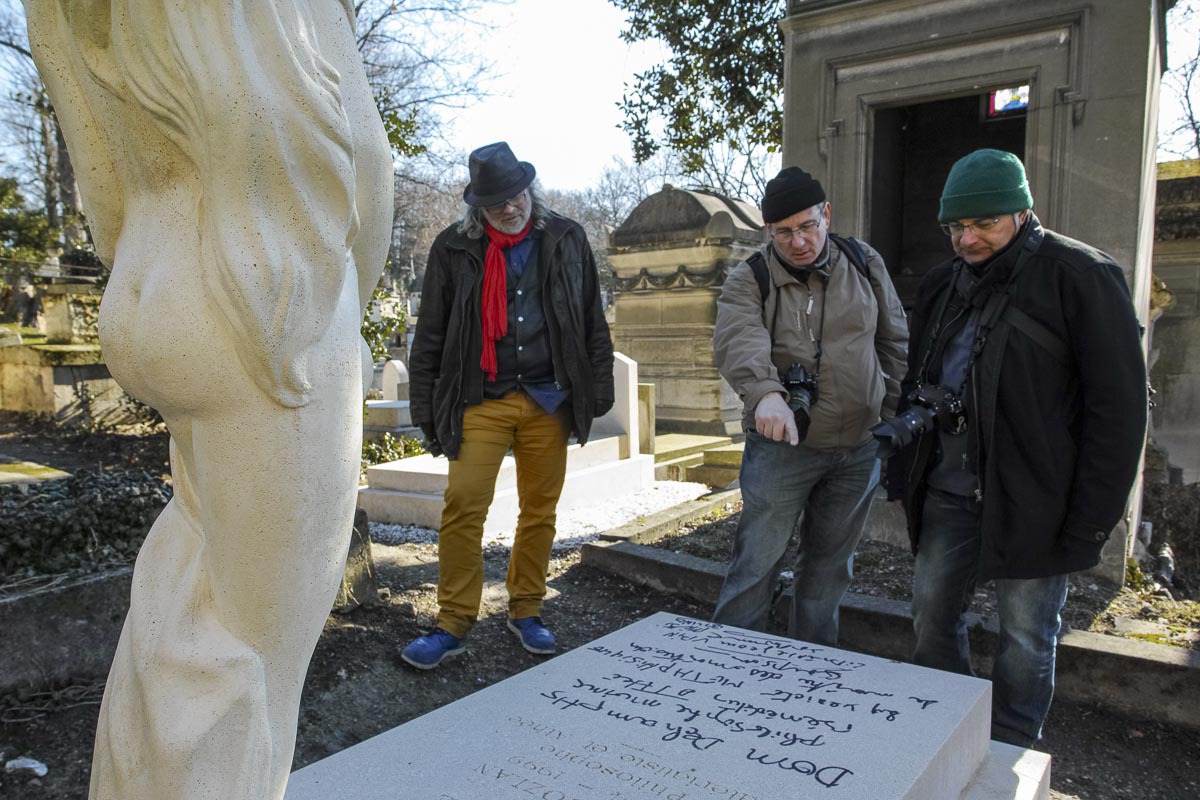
(901, 430)
(800, 401)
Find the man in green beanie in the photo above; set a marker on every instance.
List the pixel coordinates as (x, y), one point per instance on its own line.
(1026, 387)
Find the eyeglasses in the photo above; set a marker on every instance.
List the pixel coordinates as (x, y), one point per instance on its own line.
(785, 235)
(516, 202)
(957, 229)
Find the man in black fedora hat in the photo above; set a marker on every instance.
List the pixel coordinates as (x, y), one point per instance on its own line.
(511, 351)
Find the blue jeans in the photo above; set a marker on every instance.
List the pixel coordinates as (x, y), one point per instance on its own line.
(943, 585)
(779, 483)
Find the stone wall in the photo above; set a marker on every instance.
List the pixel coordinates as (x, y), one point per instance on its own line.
(67, 382)
(1175, 348)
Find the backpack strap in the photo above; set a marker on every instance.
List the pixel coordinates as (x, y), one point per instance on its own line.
(762, 276)
(847, 244)
(854, 253)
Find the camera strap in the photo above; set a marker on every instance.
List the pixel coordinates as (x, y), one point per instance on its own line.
(991, 302)
(758, 267)
(997, 300)
(938, 341)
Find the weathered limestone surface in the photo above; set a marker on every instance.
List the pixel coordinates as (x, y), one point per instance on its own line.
(670, 257)
(69, 382)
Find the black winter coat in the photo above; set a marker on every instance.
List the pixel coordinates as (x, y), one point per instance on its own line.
(444, 372)
(1056, 445)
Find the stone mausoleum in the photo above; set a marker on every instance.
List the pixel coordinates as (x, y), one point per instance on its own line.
(670, 257)
(881, 97)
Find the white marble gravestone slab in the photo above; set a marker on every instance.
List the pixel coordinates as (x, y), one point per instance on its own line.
(673, 708)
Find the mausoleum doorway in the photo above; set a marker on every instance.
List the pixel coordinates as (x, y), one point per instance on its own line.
(912, 149)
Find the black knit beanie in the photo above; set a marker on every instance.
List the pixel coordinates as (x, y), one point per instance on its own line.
(791, 191)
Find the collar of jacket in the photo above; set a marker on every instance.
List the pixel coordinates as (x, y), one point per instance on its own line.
(783, 271)
(553, 229)
(998, 268)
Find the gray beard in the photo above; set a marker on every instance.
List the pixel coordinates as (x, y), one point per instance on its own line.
(510, 228)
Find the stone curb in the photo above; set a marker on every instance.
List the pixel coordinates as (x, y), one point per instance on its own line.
(1131, 677)
(655, 526)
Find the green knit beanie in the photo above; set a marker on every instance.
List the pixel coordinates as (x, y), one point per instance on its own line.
(985, 183)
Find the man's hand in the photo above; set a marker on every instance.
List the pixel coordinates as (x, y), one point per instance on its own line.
(774, 420)
(432, 445)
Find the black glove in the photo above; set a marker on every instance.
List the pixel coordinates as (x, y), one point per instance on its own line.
(432, 445)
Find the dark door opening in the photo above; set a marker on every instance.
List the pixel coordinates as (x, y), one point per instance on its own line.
(913, 149)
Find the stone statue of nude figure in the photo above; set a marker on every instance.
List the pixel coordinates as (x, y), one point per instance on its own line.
(238, 180)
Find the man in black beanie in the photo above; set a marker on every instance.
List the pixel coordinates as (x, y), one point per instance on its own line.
(1036, 336)
(812, 337)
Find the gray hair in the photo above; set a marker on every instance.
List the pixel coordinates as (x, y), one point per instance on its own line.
(472, 221)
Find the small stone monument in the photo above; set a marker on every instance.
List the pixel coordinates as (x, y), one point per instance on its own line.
(395, 381)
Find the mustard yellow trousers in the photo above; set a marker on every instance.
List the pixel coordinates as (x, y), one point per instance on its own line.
(539, 446)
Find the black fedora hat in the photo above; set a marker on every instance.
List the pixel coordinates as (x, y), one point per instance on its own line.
(496, 175)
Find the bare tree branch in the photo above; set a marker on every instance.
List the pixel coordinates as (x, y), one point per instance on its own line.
(1181, 136)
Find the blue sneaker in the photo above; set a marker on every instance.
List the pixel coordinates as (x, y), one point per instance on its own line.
(535, 637)
(426, 652)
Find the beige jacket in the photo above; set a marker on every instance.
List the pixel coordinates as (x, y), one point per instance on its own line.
(864, 342)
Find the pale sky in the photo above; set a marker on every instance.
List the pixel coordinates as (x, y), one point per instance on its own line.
(561, 68)
(1181, 45)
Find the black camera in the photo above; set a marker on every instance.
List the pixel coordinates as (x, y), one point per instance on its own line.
(802, 393)
(928, 406)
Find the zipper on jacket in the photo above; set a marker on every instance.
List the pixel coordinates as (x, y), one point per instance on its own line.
(978, 437)
(462, 345)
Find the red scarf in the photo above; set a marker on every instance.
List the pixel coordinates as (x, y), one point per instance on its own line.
(495, 293)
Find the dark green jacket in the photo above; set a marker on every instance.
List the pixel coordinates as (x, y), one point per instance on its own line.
(444, 372)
